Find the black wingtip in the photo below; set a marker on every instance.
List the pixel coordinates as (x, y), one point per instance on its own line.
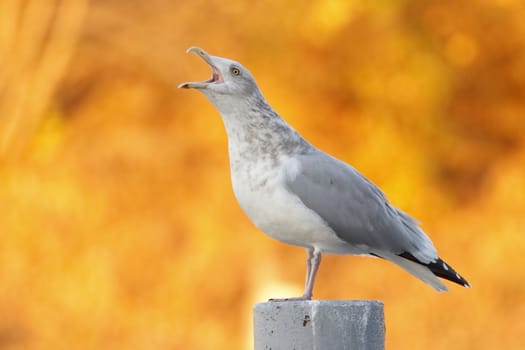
(441, 269)
(444, 270)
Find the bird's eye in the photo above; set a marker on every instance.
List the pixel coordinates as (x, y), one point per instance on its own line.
(236, 71)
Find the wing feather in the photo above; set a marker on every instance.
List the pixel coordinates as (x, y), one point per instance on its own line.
(356, 209)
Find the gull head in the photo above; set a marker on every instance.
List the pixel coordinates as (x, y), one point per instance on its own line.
(228, 77)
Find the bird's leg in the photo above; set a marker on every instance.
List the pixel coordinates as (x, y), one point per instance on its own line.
(314, 257)
(313, 261)
(309, 257)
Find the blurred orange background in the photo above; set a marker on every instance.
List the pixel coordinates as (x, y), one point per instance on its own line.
(119, 229)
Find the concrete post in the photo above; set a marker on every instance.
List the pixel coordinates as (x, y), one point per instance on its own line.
(319, 325)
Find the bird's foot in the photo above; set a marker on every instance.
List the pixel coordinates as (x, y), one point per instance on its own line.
(303, 297)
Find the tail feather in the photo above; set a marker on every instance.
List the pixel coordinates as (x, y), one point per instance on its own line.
(415, 268)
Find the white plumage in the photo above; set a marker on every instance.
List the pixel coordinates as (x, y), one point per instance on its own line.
(300, 195)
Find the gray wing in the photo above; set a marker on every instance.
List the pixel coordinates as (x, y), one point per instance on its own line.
(355, 208)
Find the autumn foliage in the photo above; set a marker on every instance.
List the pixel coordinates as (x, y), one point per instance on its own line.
(119, 229)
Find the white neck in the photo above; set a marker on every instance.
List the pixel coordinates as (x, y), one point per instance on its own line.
(253, 127)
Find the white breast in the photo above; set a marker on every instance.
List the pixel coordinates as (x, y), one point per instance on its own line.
(261, 193)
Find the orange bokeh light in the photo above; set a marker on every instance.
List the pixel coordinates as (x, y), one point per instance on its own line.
(119, 225)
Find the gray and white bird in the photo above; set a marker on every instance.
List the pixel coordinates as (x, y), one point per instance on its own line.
(302, 196)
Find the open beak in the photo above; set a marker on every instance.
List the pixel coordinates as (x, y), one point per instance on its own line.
(216, 76)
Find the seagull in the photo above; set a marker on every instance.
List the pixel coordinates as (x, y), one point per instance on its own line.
(299, 195)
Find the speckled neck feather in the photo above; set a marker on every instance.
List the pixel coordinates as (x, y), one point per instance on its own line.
(255, 131)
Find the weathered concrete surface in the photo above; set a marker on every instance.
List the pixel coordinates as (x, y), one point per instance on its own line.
(319, 325)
